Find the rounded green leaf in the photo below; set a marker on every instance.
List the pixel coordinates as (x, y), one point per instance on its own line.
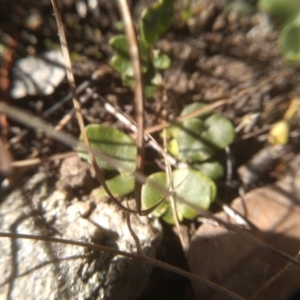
(191, 145)
(161, 61)
(169, 218)
(114, 143)
(120, 185)
(150, 195)
(172, 131)
(128, 81)
(197, 138)
(194, 107)
(156, 79)
(279, 9)
(156, 19)
(122, 65)
(289, 40)
(219, 131)
(212, 169)
(196, 188)
(120, 44)
(152, 80)
(150, 90)
(173, 148)
(191, 185)
(150, 83)
(121, 62)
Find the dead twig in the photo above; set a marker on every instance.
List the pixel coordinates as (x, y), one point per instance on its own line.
(170, 183)
(36, 161)
(7, 60)
(77, 107)
(145, 259)
(138, 95)
(273, 279)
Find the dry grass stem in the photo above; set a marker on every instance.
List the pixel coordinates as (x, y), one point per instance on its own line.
(77, 107)
(138, 94)
(114, 251)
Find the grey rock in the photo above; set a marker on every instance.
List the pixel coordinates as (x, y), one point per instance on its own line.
(37, 75)
(42, 270)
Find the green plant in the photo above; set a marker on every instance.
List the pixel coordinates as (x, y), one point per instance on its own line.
(155, 20)
(287, 14)
(195, 141)
(121, 147)
(195, 187)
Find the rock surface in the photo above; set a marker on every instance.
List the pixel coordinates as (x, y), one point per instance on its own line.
(37, 75)
(41, 270)
(242, 267)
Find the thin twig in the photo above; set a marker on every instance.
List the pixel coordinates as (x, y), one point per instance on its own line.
(77, 108)
(127, 121)
(254, 133)
(239, 219)
(133, 234)
(281, 272)
(66, 119)
(228, 165)
(68, 65)
(187, 116)
(145, 259)
(138, 95)
(6, 62)
(47, 113)
(169, 176)
(173, 201)
(36, 161)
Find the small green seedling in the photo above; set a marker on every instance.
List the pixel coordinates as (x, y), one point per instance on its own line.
(155, 20)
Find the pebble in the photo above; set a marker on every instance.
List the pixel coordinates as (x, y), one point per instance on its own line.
(37, 75)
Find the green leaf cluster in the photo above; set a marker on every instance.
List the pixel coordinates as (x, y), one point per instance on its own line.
(191, 185)
(155, 20)
(195, 141)
(121, 148)
(287, 14)
(114, 143)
